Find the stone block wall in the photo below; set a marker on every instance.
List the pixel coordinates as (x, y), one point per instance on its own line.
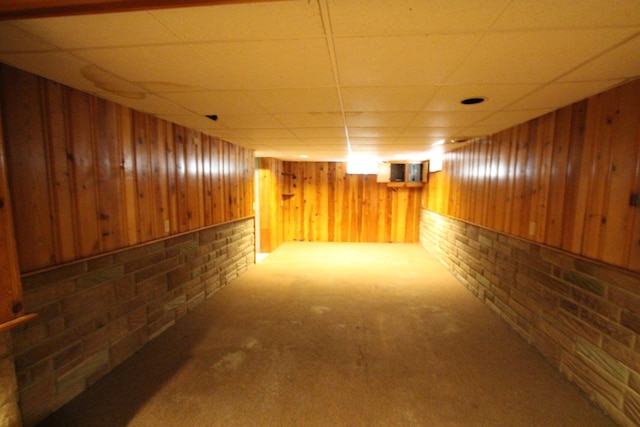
(583, 315)
(9, 412)
(94, 314)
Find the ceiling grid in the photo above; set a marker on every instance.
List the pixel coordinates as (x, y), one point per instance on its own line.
(382, 78)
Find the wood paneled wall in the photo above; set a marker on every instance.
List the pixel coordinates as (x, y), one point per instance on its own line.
(566, 179)
(88, 176)
(319, 201)
(271, 203)
(11, 306)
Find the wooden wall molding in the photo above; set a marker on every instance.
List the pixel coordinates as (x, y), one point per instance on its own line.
(20, 9)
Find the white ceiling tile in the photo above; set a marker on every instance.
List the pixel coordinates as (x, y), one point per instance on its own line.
(569, 14)
(374, 132)
(284, 144)
(149, 104)
(169, 65)
(250, 21)
(400, 61)
(558, 95)
(429, 132)
(101, 30)
(13, 40)
(264, 134)
(357, 141)
(271, 63)
(455, 119)
(190, 121)
(325, 141)
(379, 119)
(248, 121)
(299, 100)
(423, 143)
(534, 56)
(218, 102)
(327, 132)
(512, 117)
(621, 62)
(473, 131)
(313, 120)
(60, 67)
(394, 17)
(447, 98)
(394, 98)
(227, 134)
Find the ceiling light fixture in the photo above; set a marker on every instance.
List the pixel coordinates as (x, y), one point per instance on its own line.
(472, 101)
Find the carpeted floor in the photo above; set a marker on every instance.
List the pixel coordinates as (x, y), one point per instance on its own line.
(322, 334)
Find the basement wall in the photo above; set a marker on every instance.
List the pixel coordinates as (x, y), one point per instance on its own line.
(541, 222)
(95, 314)
(581, 314)
(123, 222)
(321, 202)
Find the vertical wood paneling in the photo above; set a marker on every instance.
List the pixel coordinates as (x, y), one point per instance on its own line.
(27, 163)
(142, 146)
(158, 132)
(10, 286)
(327, 204)
(109, 185)
(59, 173)
(83, 172)
(89, 176)
(563, 179)
(617, 224)
(558, 178)
(634, 251)
(576, 190)
(129, 197)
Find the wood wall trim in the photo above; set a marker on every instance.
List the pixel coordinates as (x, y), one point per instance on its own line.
(20, 9)
(128, 248)
(4, 327)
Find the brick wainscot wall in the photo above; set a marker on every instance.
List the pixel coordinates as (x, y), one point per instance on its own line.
(94, 314)
(583, 315)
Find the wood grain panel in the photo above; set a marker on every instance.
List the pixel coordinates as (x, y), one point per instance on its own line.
(554, 231)
(10, 286)
(89, 176)
(83, 172)
(564, 179)
(27, 163)
(617, 224)
(109, 185)
(59, 172)
(319, 201)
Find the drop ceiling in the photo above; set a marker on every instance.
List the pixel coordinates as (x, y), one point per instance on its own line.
(326, 78)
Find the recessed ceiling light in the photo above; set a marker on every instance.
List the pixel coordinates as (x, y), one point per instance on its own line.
(303, 156)
(472, 101)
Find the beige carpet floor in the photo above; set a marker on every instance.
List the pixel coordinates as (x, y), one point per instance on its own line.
(322, 334)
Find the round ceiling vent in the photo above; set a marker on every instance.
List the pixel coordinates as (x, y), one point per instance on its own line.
(472, 101)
